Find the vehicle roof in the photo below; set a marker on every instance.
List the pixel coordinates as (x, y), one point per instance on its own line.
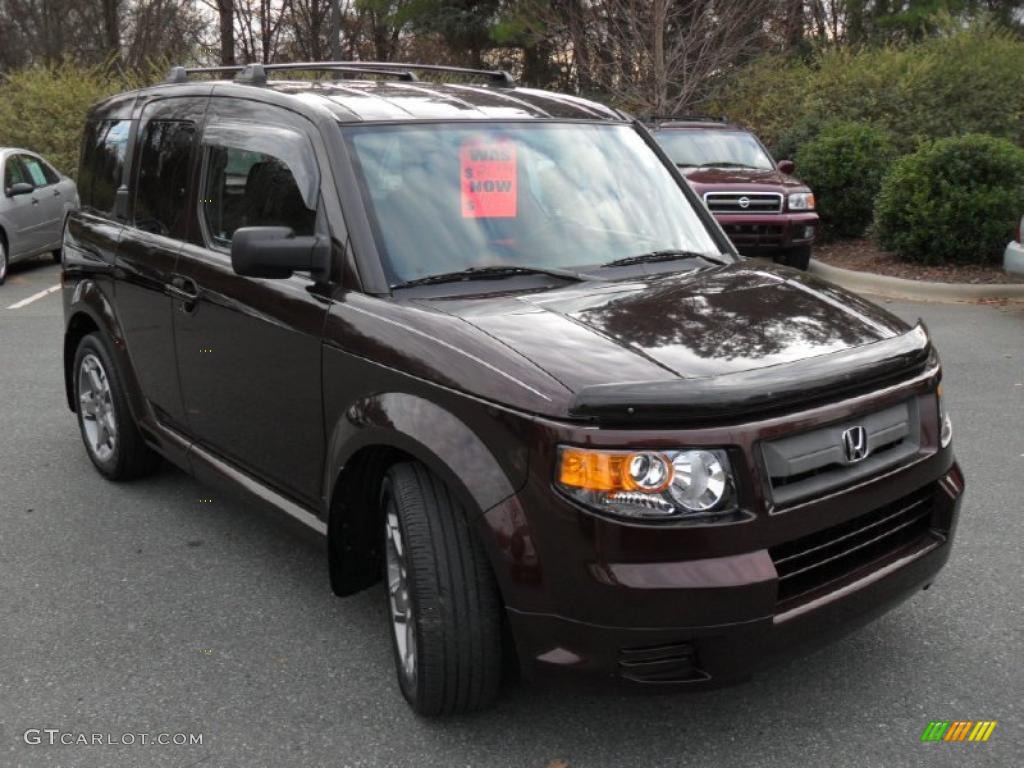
(355, 100)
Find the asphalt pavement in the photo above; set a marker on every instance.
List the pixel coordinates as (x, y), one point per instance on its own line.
(142, 608)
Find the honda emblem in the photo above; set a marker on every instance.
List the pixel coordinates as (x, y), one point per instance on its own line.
(855, 444)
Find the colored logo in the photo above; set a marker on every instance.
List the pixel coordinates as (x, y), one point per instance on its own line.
(958, 730)
(855, 444)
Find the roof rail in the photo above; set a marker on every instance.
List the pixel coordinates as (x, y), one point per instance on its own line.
(684, 119)
(256, 74)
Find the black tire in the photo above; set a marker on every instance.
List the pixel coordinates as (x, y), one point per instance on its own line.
(798, 257)
(4, 262)
(130, 457)
(56, 256)
(453, 594)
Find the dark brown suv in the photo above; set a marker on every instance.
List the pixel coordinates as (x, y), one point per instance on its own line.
(488, 341)
(763, 209)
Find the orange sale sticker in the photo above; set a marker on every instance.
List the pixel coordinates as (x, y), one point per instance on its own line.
(487, 173)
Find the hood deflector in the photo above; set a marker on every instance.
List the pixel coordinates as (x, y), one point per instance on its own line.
(763, 390)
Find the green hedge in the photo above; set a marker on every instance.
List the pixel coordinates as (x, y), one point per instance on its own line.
(844, 166)
(964, 81)
(953, 201)
(43, 108)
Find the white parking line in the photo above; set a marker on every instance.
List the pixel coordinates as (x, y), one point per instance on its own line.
(34, 297)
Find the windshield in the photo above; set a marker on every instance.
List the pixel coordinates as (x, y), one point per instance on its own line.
(725, 148)
(446, 197)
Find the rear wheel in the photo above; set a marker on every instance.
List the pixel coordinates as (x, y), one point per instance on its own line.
(3, 261)
(111, 438)
(798, 257)
(443, 602)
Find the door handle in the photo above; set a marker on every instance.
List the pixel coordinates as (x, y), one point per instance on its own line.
(184, 289)
(35, 201)
(56, 193)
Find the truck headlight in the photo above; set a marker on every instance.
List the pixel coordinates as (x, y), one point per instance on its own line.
(684, 484)
(801, 201)
(945, 424)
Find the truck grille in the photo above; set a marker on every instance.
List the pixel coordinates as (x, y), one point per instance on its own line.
(814, 463)
(817, 563)
(733, 202)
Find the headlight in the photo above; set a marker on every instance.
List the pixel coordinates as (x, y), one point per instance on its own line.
(691, 483)
(801, 201)
(945, 424)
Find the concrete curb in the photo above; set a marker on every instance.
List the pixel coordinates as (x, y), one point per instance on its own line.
(920, 290)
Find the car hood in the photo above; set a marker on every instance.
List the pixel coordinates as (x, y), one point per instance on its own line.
(699, 324)
(705, 179)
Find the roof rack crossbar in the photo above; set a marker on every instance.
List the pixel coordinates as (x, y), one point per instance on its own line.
(256, 74)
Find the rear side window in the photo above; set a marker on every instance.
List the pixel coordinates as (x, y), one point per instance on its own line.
(103, 153)
(162, 186)
(245, 188)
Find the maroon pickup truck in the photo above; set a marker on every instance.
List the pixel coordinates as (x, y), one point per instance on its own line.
(762, 208)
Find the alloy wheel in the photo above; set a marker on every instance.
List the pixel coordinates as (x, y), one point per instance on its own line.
(403, 618)
(96, 405)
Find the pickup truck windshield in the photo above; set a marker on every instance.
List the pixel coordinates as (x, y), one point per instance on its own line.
(445, 197)
(709, 148)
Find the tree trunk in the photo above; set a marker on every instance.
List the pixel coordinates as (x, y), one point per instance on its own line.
(335, 30)
(226, 9)
(112, 29)
(659, 16)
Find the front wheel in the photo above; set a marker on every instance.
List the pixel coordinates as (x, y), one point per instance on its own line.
(3, 261)
(798, 257)
(443, 602)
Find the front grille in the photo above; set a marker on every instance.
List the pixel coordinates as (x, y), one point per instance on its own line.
(672, 663)
(754, 234)
(813, 463)
(818, 563)
(743, 202)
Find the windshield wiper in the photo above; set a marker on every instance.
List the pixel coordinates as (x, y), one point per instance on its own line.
(665, 255)
(489, 272)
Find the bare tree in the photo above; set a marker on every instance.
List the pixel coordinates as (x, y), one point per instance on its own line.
(260, 24)
(660, 56)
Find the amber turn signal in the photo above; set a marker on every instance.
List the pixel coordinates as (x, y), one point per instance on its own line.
(614, 471)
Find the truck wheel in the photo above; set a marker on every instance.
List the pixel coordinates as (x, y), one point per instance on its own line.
(798, 257)
(442, 598)
(111, 438)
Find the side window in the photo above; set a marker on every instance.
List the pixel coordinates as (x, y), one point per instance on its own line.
(34, 169)
(52, 177)
(162, 185)
(103, 156)
(14, 172)
(244, 188)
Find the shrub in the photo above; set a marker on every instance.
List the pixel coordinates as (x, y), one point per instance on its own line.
(953, 201)
(43, 108)
(844, 166)
(962, 81)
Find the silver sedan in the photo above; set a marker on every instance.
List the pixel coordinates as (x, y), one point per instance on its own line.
(35, 202)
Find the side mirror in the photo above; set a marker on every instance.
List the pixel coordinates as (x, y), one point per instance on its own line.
(276, 252)
(786, 166)
(21, 188)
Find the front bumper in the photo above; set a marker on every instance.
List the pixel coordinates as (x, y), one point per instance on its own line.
(749, 631)
(598, 600)
(761, 233)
